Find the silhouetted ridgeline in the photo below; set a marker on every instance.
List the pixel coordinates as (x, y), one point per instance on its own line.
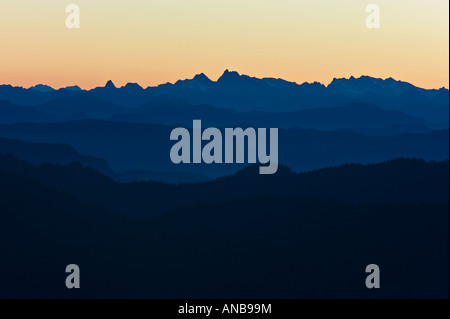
(243, 93)
(257, 247)
(63, 154)
(356, 120)
(132, 146)
(354, 116)
(397, 181)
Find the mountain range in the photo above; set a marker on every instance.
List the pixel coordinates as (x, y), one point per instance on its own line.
(363, 177)
(133, 146)
(245, 93)
(355, 120)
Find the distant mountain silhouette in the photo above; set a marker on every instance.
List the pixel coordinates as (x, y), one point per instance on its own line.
(30, 97)
(200, 82)
(130, 95)
(73, 88)
(358, 87)
(110, 85)
(42, 88)
(244, 93)
(132, 87)
(358, 117)
(355, 116)
(131, 146)
(62, 154)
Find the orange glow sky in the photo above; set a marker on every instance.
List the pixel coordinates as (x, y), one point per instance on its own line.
(153, 42)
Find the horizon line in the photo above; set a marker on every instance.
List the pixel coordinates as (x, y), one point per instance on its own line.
(215, 81)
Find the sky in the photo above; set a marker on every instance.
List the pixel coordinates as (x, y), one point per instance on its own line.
(157, 41)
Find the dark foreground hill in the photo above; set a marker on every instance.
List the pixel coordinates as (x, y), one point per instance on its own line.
(398, 181)
(258, 247)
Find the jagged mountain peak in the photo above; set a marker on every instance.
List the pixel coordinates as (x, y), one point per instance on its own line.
(228, 75)
(110, 85)
(202, 78)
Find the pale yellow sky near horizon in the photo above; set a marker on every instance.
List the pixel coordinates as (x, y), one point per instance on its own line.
(157, 41)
